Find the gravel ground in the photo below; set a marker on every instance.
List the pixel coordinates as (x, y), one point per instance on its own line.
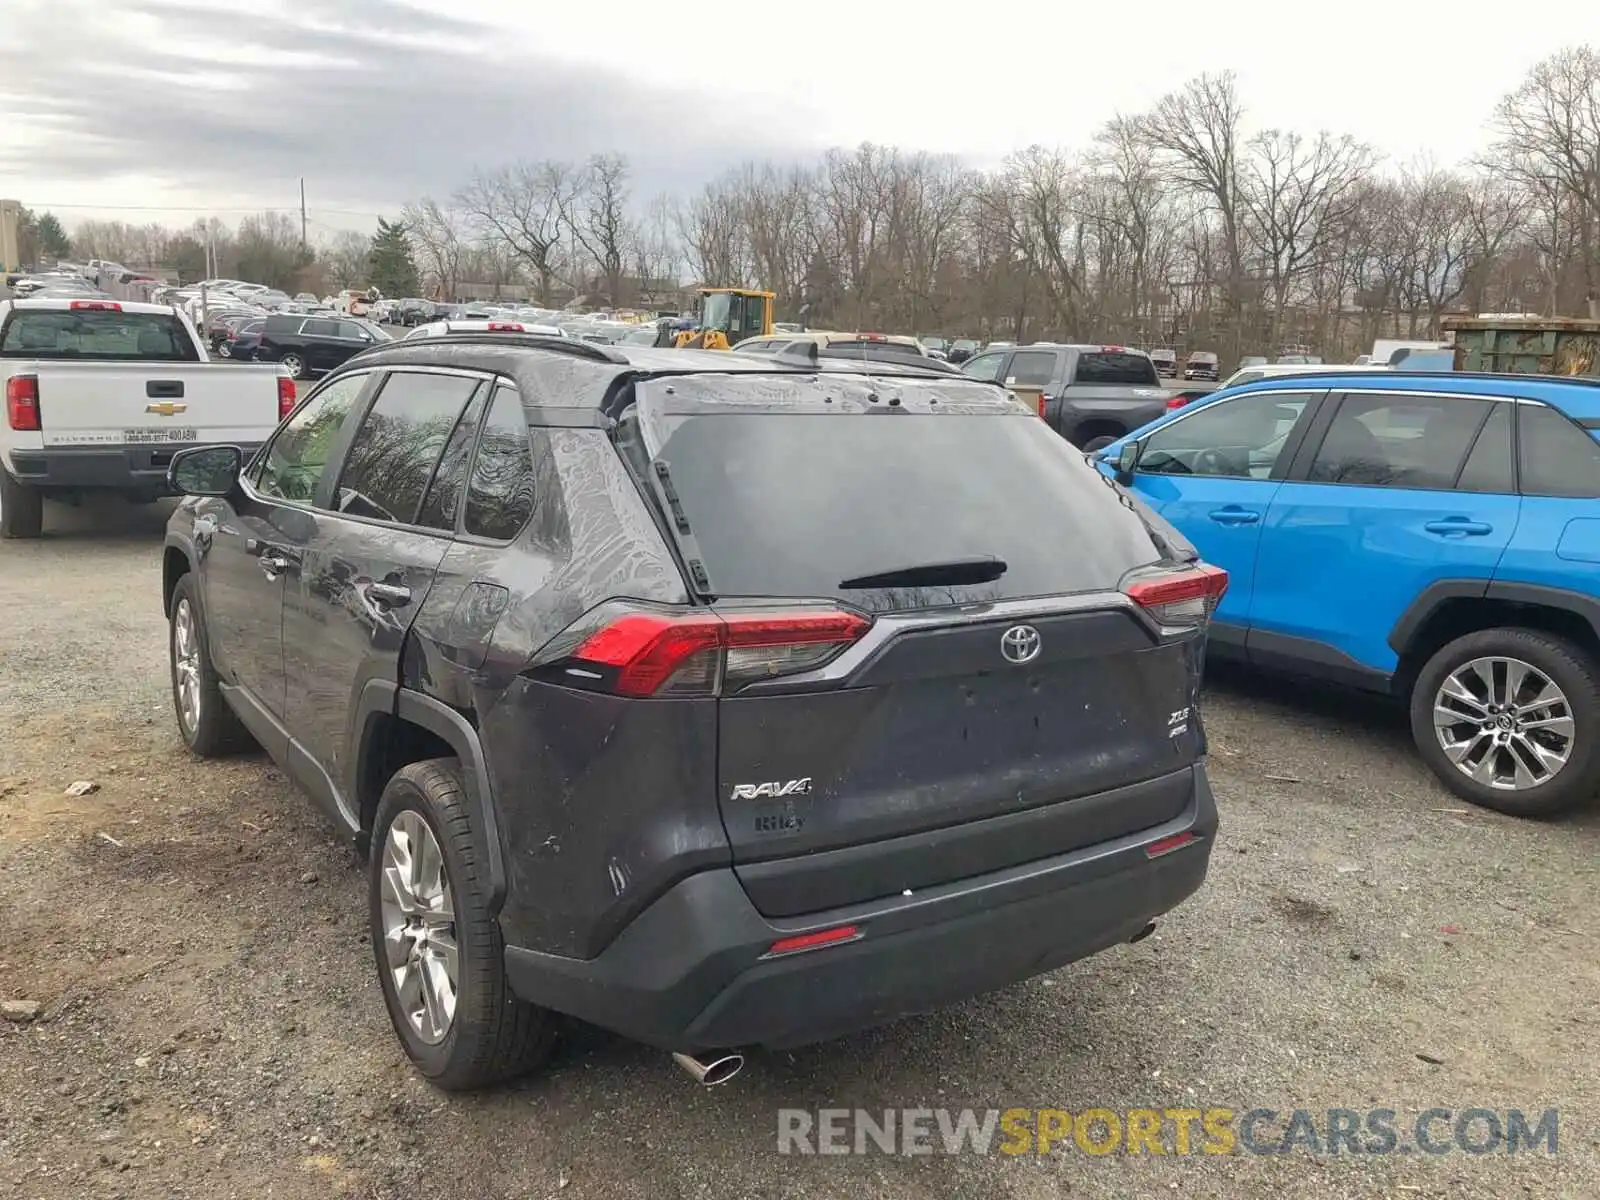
(211, 1026)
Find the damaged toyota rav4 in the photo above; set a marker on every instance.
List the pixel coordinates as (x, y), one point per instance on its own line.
(715, 700)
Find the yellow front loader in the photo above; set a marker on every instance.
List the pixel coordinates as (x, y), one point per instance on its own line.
(727, 317)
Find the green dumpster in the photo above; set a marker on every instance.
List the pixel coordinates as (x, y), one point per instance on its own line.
(1525, 345)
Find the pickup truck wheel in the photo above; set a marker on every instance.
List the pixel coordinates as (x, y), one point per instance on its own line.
(439, 951)
(1099, 443)
(209, 727)
(21, 509)
(1510, 720)
(295, 365)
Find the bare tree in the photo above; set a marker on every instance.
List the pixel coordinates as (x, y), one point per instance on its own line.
(596, 213)
(1297, 198)
(1195, 135)
(345, 262)
(1549, 141)
(439, 235)
(522, 206)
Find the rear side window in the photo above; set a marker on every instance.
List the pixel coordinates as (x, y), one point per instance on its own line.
(500, 491)
(1032, 368)
(96, 333)
(1488, 467)
(394, 452)
(796, 504)
(1115, 366)
(1556, 457)
(320, 328)
(450, 477)
(1399, 441)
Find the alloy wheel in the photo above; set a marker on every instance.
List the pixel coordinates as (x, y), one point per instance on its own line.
(1504, 723)
(186, 665)
(419, 931)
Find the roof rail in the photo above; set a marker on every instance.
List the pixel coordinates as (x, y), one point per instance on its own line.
(538, 341)
(1424, 373)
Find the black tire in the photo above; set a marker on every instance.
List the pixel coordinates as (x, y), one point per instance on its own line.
(1570, 667)
(494, 1036)
(295, 364)
(21, 509)
(1099, 443)
(218, 731)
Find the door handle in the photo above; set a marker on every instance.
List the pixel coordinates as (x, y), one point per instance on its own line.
(1460, 526)
(1234, 515)
(389, 595)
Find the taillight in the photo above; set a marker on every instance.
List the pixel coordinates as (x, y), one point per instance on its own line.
(640, 652)
(22, 403)
(1178, 401)
(95, 306)
(1180, 599)
(1042, 399)
(286, 396)
(505, 327)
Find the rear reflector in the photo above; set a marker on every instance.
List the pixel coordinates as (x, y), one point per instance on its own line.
(22, 403)
(1167, 845)
(95, 306)
(1183, 598)
(286, 396)
(812, 941)
(633, 652)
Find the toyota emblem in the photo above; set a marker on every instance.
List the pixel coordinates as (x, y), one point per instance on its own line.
(1020, 644)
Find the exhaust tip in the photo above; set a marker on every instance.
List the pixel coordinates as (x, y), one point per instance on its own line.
(709, 1072)
(1143, 933)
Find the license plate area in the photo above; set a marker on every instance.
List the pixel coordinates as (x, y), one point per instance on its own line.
(159, 436)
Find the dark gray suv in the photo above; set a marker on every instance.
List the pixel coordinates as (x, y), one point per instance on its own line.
(717, 700)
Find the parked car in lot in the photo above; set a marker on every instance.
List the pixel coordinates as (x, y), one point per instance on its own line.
(1201, 365)
(963, 348)
(308, 346)
(1166, 361)
(1423, 535)
(441, 328)
(99, 396)
(243, 342)
(568, 635)
(1090, 395)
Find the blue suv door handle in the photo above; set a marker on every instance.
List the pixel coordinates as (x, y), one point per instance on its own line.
(1459, 526)
(1232, 514)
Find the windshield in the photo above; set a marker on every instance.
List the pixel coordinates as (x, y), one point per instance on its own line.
(864, 494)
(97, 333)
(714, 311)
(1115, 366)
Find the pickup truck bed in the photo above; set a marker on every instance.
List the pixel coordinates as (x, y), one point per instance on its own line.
(100, 395)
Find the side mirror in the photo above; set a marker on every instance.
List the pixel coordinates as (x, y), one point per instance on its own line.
(1127, 461)
(205, 470)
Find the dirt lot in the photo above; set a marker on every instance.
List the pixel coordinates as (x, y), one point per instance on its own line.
(211, 1027)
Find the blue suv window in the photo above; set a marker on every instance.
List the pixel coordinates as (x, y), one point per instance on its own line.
(1488, 467)
(1241, 438)
(1399, 441)
(1557, 458)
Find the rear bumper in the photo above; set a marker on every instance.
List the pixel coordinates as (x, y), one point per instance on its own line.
(689, 972)
(141, 469)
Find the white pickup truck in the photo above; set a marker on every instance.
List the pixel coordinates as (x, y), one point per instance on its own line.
(100, 394)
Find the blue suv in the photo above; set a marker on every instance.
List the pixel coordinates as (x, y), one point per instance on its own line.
(1433, 536)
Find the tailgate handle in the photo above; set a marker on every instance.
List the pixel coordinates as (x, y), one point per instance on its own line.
(164, 389)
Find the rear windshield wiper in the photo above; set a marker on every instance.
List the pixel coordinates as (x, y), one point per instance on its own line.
(954, 572)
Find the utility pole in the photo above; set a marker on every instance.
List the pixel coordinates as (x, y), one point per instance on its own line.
(302, 216)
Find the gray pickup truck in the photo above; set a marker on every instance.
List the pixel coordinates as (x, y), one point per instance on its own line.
(1092, 395)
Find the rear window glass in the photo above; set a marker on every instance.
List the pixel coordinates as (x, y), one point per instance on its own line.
(97, 333)
(1111, 366)
(792, 505)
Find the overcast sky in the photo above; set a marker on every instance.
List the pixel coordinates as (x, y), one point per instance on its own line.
(201, 105)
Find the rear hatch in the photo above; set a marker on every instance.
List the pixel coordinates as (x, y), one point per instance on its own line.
(110, 377)
(946, 656)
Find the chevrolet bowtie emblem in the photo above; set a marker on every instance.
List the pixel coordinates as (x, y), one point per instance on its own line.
(166, 408)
